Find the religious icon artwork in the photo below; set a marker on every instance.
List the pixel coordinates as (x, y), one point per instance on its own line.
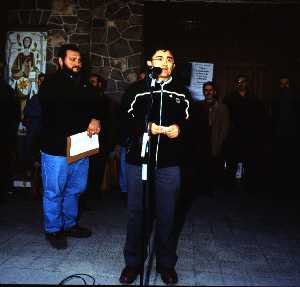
(26, 59)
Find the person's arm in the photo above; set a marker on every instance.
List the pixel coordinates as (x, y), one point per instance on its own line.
(174, 130)
(132, 116)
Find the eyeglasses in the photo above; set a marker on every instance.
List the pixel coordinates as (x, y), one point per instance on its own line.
(169, 60)
(240, 80)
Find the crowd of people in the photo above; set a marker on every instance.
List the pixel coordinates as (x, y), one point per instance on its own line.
(170, 149)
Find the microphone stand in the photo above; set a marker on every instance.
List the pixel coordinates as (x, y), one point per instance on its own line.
(146, 172)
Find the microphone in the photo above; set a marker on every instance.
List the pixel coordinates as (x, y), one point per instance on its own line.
(154, 73)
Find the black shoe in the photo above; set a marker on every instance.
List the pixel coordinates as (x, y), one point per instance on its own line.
(168, 275)
(129, 274)
(57, 240)
(78, 231)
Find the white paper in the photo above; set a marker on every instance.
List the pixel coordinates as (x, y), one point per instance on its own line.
(201, 73)
(144, 171)
(144, 144)
(82, 142)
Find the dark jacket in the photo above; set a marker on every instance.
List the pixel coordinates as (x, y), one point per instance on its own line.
(284, 114)
(32, 115)
(68, 104)
(209, 128)
(10, 111)
(170, 106)
(248, 120)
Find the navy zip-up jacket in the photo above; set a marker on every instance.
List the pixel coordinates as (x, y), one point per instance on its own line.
(170, 106)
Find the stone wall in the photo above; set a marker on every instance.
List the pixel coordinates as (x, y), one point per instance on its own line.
(108, 32)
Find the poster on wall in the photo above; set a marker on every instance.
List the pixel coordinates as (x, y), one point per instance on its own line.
(200, 73)
(26, 59)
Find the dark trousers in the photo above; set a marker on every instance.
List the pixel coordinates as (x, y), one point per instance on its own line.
(285, 167)
(94, 181)
(95, 176)
(166, 186)
(32, 148)
(208, 174)
(254, 179)
(7, 156)
(5, 171)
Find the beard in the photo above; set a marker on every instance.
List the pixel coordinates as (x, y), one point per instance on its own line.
(77, 70)
(210, 101)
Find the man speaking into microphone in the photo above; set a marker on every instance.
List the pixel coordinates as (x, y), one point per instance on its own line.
(154, 111)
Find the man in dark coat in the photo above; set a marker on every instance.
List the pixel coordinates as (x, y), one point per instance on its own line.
(69, 106)
(246, 134)
(9, 120)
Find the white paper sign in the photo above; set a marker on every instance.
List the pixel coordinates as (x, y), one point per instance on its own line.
(81, 142)
(201, 73)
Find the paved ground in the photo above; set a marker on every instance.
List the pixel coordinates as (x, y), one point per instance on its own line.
(227, 240)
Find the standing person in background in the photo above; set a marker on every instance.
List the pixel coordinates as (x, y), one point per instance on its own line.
(246, 135)
(207, 133)
(9, 120)
(165, 123)
(285, 135)
(97, 161)
(210, 124)
(32, 121)
(120, 149)
(69, 106)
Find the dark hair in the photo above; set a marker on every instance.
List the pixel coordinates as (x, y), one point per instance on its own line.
(27, 37)
(209, 83)
(41, 75)
(152, 50)
(242, 76)
(284, 76)
(99, 79)
(64, 48)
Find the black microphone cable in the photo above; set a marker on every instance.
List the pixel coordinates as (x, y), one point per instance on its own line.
(79, 276)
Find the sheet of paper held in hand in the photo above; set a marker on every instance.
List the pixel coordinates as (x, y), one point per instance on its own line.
(81, 145)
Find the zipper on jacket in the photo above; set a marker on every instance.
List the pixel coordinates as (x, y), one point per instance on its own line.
(160, 112)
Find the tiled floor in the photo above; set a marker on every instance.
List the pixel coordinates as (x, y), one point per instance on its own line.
(227, 240)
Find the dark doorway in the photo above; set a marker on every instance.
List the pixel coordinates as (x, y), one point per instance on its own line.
(258, 40)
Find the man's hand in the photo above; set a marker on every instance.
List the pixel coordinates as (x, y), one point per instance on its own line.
(154, 128)
(94, 127)
(172, 131)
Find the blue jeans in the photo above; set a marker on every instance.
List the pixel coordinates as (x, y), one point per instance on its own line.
(166, 190)
(122, 174)
(62, 183)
